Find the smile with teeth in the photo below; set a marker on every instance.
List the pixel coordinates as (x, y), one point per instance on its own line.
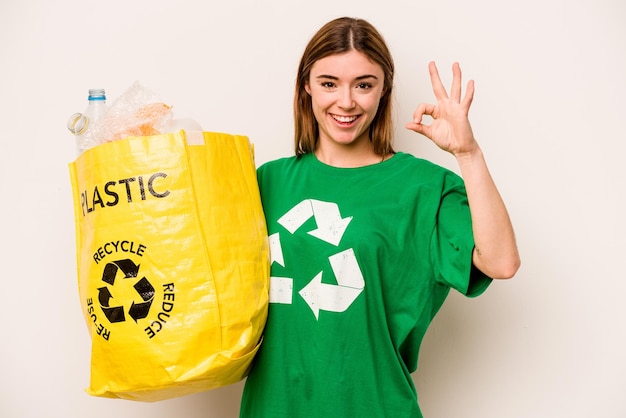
(344, 119)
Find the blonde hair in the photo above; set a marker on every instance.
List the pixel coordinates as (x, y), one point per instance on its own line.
(335, 37)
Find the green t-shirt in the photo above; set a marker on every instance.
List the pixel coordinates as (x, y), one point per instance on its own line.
(362, 260)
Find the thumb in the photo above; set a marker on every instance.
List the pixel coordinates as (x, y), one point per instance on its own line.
(419, 128)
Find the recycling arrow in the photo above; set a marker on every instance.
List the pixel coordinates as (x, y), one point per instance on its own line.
(330, 228)
(143, 287)
(113, 313)
(276, 250)
(146, 291)
(339, 297)
(330, 225)
(127, 266)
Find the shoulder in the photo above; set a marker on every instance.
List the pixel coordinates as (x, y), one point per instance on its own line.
(277, 166)
(280, 162)
(277, 171)
(413, 167)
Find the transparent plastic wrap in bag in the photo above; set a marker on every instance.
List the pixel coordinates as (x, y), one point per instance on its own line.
(137, 112)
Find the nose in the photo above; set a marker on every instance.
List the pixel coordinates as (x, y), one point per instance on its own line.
(345, 100)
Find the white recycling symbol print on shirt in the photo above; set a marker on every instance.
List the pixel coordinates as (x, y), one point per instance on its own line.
(330, 228)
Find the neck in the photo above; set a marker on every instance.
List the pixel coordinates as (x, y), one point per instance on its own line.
(343, 156)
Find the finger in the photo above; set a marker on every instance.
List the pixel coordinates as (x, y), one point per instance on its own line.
(421, 110)
(419, 128)
(435, 80)
(455, 91)
(469, 95)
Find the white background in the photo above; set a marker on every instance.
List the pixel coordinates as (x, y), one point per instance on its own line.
(548, 112)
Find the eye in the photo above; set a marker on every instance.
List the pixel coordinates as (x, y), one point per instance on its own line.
(364, 86)
(327, 84)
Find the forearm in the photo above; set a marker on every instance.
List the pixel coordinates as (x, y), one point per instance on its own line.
(495, 252)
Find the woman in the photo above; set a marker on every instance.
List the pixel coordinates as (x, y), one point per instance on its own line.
(366, 242)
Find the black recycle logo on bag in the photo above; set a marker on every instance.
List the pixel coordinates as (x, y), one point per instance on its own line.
(128, 270)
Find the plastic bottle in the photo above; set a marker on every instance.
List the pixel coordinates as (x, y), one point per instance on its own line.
(193, 130)
(81, 124)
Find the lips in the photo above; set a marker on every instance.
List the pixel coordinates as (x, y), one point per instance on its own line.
(344, 119)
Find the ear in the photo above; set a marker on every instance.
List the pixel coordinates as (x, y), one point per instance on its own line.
(307, 88)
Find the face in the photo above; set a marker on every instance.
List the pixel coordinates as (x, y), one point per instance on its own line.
(345, 90)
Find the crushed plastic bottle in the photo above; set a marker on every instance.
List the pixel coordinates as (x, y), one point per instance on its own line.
(193, 129)
(80, 124)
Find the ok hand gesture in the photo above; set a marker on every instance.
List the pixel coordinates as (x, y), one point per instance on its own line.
(450, 129)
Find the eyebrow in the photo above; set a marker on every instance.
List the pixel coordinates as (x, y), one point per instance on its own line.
(361, 77)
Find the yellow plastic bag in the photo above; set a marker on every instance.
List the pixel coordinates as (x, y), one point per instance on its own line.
(173, 263)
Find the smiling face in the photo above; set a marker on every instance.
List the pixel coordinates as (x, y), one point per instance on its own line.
(345, 91)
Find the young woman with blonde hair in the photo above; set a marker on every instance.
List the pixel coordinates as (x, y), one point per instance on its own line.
(366, 241)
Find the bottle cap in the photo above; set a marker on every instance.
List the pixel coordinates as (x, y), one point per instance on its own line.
(77, 123)
(97, 94)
